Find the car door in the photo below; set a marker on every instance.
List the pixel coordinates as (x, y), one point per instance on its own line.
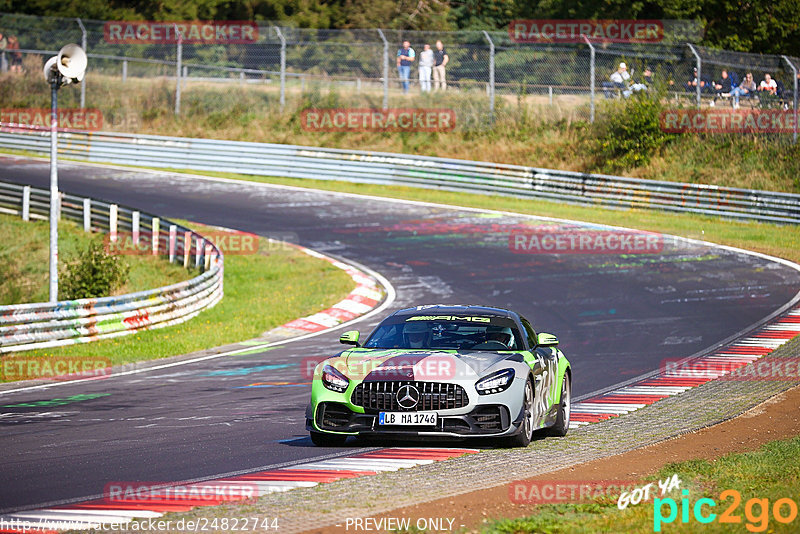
(547, 358)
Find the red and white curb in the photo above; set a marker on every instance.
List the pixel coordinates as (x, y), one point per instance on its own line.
(88, 514)
(673, 382)
(366, 296)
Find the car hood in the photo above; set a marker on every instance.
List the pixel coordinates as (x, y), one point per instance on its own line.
(421, 365)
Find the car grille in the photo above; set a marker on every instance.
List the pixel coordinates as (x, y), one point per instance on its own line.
(382, 395)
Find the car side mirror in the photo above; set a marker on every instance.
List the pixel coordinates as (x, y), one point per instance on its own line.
(547, 340)
(350, 338)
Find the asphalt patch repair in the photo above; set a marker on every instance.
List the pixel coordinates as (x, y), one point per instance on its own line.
(775, 419)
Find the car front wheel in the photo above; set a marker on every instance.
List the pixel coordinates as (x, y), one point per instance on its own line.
(523, 439)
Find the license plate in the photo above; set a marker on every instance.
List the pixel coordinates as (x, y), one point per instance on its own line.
(407, 418)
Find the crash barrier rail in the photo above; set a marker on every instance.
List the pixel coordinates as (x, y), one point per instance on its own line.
(44, 325)
(418, 171)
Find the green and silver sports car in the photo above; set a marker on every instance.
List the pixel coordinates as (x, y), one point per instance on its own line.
(446, 372)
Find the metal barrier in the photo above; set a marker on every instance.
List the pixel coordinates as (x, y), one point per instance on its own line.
(417, 171)
(44, 325)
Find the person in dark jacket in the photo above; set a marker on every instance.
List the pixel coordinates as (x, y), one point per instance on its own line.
(722, 87)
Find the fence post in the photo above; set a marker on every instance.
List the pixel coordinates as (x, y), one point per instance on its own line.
(187, 248)
(283, 66)
(3, 62)
(154, 226)
(591, 77)
(87, 214)
(491, 73)
(178, 72)
(26, 203)
(198, 244)
(385, 69)
(794, 106)
(83, 45)
(124, 70)
(699, 71)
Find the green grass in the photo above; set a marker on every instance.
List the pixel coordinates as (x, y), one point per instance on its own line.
(262, 291)
(772, 239)
(771, 473)
(24, 264)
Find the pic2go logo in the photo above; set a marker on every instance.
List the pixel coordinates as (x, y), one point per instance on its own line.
(756, 511)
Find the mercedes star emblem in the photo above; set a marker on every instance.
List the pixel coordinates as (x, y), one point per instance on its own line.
(407, 396)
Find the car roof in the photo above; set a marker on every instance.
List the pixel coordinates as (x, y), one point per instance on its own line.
(456, 309)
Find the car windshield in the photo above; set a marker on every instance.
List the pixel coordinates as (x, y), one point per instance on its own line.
(446, 332)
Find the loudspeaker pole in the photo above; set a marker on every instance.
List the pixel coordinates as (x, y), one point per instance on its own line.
(54, 190)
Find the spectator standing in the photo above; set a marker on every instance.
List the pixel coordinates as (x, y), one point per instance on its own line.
(746, 88)
(768, 85)
(440, 60)
(426, 62)
(15, 54)
(405, 57)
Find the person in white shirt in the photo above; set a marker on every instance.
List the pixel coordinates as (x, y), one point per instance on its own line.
(768, 85)
(426, 62)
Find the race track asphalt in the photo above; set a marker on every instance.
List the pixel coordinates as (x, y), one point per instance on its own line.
(617, 317)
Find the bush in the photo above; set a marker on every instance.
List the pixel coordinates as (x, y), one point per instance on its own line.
(94, 273)
(627, 133)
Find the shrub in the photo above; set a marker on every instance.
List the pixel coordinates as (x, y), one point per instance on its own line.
(94, 273)
(627, 133)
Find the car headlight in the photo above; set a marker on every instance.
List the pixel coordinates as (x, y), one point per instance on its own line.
(334, 380)
(495, 382)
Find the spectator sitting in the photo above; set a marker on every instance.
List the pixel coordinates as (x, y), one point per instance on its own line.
(722, 88)
(636, 87)
(747, 89)
(768, 85)
(691, 85)
(617, 80)
(647, 77)
(426, 62)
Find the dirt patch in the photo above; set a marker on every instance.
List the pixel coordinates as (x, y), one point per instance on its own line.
(777, 418)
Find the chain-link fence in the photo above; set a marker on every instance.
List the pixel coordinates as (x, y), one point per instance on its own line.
(292, 67)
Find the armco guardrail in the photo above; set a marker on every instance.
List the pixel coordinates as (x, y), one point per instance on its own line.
(43, 325)
(419, 171)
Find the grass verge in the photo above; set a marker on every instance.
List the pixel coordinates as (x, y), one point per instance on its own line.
(262, 291)
(760, 479)
(24, 252)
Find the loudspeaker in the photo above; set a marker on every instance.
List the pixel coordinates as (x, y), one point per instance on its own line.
(70, 63)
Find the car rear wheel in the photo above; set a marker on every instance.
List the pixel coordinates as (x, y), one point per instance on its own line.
(321, 439)
(562, 420)
(523, 439)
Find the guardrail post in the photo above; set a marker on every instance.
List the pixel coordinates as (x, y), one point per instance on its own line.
(124, 70)
(591, 76)
(187, 248)
(87, 214)
(207, 258)
(26, 203)
(112, 222)
(173, 239)
(699, 71)
(178, 72)
(155, 225)
(491, 73)
(83, 45)
(198, 250)
(135, 216)
(385, 69)
(283, 66)
(794, 107)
